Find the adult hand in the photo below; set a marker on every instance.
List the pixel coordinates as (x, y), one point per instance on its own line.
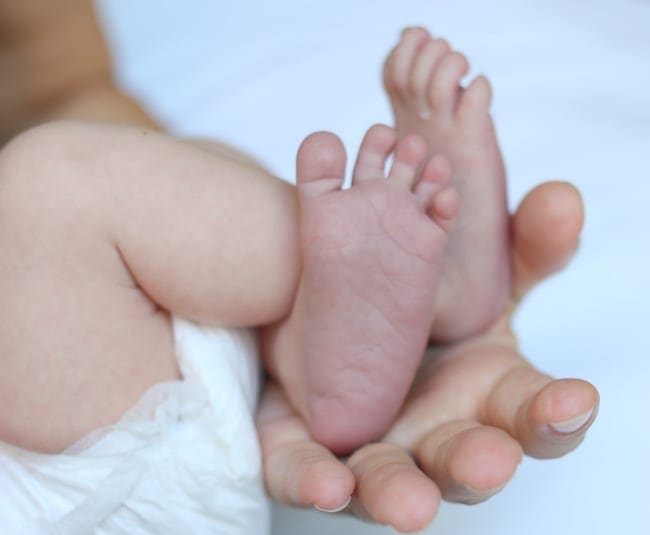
(474, 408)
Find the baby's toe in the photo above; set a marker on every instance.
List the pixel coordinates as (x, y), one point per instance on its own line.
(320, 164)
(409, 155)
(476, 98)
(424, 65)
(445, 89)
(444, 207)
(375, 149)
(399, 63)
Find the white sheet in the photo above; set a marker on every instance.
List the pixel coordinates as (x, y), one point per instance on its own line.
(572, 100)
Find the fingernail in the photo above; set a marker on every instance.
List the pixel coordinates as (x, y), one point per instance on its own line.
(573, 424)
(474, 496)
(336, 509)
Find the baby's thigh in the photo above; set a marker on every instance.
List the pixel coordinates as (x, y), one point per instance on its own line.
(80, 342)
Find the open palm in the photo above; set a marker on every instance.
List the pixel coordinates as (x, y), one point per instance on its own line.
(474, 408)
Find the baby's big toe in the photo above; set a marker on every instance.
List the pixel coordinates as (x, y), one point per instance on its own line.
(320, 164)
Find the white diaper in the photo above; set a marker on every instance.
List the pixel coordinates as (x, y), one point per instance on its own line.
(184, 460)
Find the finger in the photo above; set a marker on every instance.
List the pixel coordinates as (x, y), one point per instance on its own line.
(391, 489)
(546, 227)
(549, 418)
(297, 470)
(468, 461)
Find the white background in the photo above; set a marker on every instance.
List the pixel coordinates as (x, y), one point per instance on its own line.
(572, 100)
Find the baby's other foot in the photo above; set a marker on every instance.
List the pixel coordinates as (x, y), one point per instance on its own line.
(371, 262)
(422, 77)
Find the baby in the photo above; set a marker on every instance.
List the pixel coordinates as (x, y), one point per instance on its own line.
(99, 247)
(165, 407)
(109, 232)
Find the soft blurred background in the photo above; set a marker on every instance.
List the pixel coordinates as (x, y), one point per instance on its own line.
(572, 100)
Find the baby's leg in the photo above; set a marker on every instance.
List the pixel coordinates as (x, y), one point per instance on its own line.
(371, 260)
(104, 229)
(422, 76)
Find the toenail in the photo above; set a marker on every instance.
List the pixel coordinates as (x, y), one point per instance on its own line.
(336, 509)
(573, 424)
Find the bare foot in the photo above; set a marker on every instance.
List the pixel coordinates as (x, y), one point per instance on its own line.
(439, 446)
(371, 262)
(422, 77)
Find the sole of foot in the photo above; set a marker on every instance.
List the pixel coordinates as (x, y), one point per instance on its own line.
(423, 78)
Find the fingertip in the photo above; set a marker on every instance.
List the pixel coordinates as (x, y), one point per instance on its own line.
(484, 460)
(408, 504)
(556, 202)
(551, 213)
(546, 228)
(327, 485)
(334, 509)
(565, 407)
(392, 489)
(557, 418)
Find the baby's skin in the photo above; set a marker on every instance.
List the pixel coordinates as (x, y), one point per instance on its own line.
(373, 255)
(422, 78)
(371, 259)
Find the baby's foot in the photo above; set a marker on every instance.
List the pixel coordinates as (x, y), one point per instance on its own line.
(371, 262)
(422, 77)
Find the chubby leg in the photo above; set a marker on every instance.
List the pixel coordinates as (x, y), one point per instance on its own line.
(371, 260)
(103, 230)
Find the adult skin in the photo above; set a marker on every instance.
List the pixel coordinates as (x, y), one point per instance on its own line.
(477, 404)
